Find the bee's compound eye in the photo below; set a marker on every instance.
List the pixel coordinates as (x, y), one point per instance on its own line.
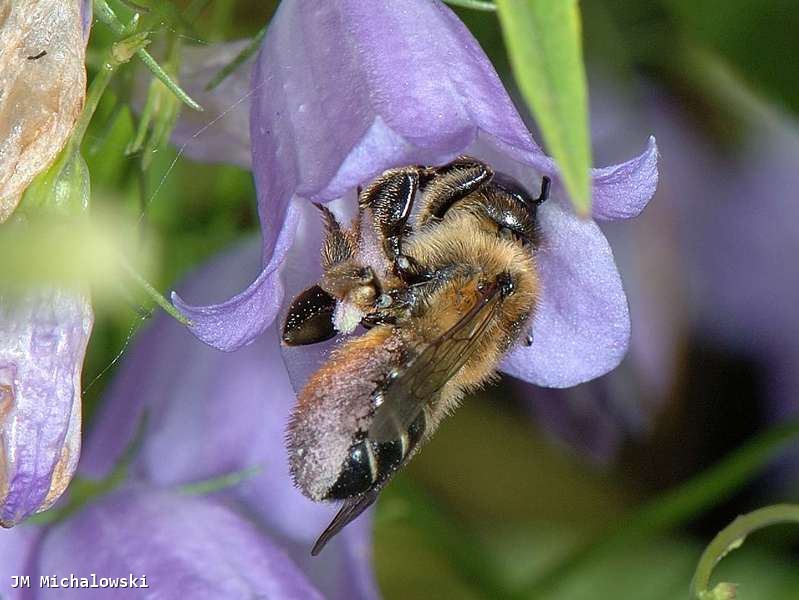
(357, 473)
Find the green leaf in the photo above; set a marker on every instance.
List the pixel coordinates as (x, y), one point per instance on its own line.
(543, 40)
(474, 4)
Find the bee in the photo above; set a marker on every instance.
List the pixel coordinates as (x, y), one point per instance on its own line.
(439, 268)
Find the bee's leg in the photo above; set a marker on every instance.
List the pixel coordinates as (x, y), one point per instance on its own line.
(339, 245)
(390, 199)
(446, 185)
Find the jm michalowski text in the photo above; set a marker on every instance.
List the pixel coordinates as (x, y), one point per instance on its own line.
(75, 581)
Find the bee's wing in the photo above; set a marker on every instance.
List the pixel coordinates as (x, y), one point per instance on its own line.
(423, 377)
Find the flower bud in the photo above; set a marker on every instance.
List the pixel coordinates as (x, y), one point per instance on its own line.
(64, 188)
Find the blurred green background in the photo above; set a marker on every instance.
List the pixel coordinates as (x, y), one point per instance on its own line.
(511, 500)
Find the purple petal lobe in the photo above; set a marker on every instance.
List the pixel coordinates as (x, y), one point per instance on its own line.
(622, 191)
(235, 322)
(183, 546)
(220, 133)
(43, 337)
(581, 327)
(239, 320)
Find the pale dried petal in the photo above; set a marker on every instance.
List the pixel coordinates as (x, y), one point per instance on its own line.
(40, 98)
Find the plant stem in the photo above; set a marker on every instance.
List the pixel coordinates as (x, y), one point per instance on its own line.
(157, 297)
(731, 538)
(678, 506)
(119, 51)
(216, 484)
(107, 15)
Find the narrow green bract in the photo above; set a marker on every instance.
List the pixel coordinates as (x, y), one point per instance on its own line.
(543, 40)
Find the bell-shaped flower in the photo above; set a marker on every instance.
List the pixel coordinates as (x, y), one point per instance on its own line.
(210, 414)
(344, 90)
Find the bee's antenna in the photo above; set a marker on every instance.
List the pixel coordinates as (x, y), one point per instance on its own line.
(546, 183)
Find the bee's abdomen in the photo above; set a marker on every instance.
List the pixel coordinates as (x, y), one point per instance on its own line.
(358, 472)
(371, 463)
(332, 416)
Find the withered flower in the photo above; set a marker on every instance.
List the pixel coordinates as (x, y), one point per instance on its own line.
(42, 88)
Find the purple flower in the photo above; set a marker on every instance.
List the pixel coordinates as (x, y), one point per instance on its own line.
(163, 543)
(597, 417)
(43, 337)
(344, 90)
(211, 413)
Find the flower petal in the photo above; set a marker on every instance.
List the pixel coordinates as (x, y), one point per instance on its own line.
(221, 132)
(301, 270)
(43, 337)
(185, 546)
(388, 85)
(239, 320)
(581, 327)
(622, 191)
(42, 97)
